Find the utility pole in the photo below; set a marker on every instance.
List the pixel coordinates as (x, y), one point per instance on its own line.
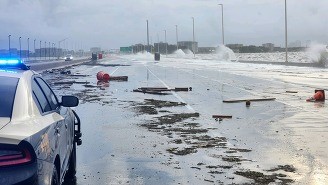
(40, 50)
(176, 32)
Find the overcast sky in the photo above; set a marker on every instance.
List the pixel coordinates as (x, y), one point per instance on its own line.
(114, 23)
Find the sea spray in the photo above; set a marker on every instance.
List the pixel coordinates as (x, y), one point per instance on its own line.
(224, 53)
(318, 53)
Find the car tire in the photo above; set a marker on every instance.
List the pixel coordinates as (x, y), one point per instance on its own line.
(72, 163)
(55, 177)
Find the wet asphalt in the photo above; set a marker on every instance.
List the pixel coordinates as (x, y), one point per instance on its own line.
(126, 142)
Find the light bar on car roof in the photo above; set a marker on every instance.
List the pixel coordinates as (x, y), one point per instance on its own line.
(12, 63)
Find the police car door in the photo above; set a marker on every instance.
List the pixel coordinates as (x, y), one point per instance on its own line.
(61, 126)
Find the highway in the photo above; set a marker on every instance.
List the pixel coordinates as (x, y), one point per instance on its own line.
(171, 138)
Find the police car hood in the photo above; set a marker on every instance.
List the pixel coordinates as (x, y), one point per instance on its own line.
(4, 122)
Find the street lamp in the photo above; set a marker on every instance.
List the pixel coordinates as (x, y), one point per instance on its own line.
(176, 32)
(222, 24)
(193, 35)
(49, 50)
(45, 50)
(59, 46)
(34, 49)
(28, 48)
(20, 48)
(9, 45)
(147, 37)
(165, 43)
(157, 43)
(40, 49)
(286, 31)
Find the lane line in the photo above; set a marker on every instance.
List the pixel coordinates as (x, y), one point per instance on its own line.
(174, 93)
(115, 70)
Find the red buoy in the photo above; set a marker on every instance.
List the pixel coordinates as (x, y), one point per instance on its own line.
(102, 76)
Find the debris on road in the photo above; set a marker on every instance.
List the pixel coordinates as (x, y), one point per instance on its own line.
(103, 76)
(291, 92)
(244, 100)
(151, 92)
(248, 103)
(318, 96)
(221, 117)
(158, 90)
(70, 82)
(118, 78)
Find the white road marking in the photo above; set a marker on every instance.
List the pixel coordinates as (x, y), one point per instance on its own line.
(174, 93)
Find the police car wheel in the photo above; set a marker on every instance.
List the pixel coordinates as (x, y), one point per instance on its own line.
(55, 178)
(72, 163)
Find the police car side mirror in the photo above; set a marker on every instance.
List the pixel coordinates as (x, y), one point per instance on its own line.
(69, 101)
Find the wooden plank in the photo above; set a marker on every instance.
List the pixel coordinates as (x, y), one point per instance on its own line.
(151, 92)
(118, 78)
(153, 88)
(181, 89)
(221, 116)
(291, 92)
(243, 100)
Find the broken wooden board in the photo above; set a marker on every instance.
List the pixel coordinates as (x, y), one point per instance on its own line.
(291, 92)
(221, 116)
(250, 99)
(118, 78)
(151, 92)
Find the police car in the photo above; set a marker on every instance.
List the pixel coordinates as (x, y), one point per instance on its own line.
(38, 133)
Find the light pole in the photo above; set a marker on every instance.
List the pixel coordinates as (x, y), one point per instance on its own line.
(20, 48)
(193, 35)
(40, 49)
(9, 45)
(176, 32)
(34, 49)
(157, 43)
(49, 50)
(147, 37)
(165, 43)
(286, 31)
(60, 53)
(222, 24)
(28, 48)
(45, 50)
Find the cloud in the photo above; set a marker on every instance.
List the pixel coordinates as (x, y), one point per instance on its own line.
(115, 23)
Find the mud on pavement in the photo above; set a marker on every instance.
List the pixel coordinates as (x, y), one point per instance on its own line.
(189, 137)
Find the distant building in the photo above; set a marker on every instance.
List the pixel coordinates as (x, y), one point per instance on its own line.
(269, 46)
(95, 50)
(192, 46)
(206, 50)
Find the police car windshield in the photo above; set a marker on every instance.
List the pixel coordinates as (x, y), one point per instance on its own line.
(7, 94)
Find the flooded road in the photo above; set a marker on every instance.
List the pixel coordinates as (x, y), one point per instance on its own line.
(171, 138)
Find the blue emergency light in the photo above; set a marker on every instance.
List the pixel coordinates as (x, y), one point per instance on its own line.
(12, 63)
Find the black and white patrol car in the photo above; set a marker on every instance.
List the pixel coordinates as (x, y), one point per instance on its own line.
(38, 133)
